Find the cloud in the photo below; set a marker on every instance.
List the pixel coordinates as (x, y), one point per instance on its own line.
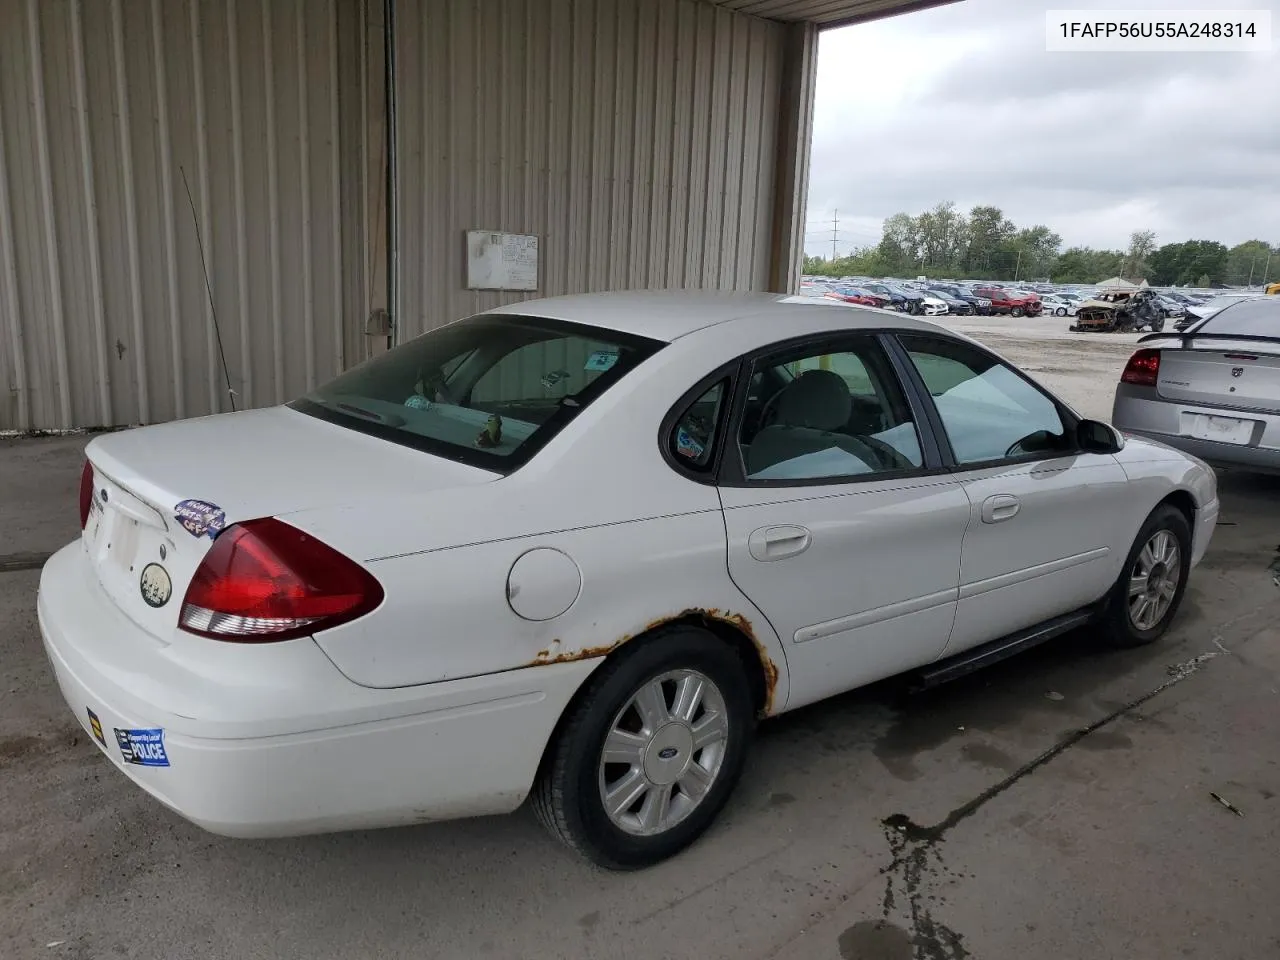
(964, 103)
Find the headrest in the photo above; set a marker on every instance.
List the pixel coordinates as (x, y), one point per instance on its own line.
(818, 399)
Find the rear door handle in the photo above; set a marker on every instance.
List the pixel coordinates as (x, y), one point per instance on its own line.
(1001, 507)
(777, 543)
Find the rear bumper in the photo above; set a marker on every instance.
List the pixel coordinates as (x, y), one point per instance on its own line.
(271, 740)
(1142, 411)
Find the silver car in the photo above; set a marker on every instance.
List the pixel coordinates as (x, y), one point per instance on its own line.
(1212, 391)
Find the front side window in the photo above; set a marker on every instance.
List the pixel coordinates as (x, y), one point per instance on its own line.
(987, 409)
(826, 413)
(489, 391)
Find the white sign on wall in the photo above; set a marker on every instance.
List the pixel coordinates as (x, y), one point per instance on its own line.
(501, 261)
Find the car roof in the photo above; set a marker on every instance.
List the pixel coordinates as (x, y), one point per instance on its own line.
(670, 314)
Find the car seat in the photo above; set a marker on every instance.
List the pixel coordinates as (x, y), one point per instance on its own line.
(810, 409)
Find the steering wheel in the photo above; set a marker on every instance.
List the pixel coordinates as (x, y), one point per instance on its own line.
(890, 457)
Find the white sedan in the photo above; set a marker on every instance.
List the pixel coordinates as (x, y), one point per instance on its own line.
(572, 549)
(1059, 306)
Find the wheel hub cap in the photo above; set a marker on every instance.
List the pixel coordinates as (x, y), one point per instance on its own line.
(663, 752)
(668, 753)
(1153, 580)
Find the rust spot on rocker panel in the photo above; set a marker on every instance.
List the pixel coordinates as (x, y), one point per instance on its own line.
(555, 654)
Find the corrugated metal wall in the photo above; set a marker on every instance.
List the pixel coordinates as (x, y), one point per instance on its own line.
(105, 105)
(635, 137)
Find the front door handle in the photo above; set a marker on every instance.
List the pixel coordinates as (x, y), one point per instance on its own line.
(1000, 507)
(777, 543)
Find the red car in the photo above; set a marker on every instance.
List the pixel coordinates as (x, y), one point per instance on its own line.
(857, 295)
(1014, 303)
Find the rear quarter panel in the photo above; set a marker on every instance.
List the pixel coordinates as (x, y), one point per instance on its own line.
(449, 613)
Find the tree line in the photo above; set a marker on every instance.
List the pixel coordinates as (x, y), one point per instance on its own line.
(984, 244)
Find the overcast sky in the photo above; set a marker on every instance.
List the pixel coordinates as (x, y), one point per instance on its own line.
(963, 103)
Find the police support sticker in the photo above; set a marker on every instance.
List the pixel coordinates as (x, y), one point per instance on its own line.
(143, 747)
(155, 585)
(199, 517)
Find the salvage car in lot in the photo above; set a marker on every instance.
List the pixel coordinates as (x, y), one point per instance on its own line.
(1213, 390)
(572, 549)
(1013, 302)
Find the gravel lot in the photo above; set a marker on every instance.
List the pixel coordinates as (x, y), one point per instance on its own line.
(1056, 805)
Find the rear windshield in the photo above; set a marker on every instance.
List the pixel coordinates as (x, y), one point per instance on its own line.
(1248, 318)
(489, 391)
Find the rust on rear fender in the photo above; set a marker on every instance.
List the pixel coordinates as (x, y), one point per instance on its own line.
(553, 653)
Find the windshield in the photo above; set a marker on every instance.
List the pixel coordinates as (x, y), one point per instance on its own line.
(489, 391)
(1248, 318)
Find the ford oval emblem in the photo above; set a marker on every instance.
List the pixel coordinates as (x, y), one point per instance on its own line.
(666, 753)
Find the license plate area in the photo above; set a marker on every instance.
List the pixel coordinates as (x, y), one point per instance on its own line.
(1204, 426)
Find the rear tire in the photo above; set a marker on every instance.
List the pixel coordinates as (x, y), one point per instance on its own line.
(633, 702)
(1061, 311)
(1151, 585)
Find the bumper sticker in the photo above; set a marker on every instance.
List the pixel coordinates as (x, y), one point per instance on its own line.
(96, 726)
(143, 747)
(155, 585)
(199, 517)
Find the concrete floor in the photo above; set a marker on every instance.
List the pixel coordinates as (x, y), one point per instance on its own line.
(1058, 804)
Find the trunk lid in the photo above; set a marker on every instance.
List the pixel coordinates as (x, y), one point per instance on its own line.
(1228, 373)
(161, 494)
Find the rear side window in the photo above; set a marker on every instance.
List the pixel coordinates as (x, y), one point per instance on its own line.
(828, 412)
(1249, 318)
(490, 391)
(694, 436)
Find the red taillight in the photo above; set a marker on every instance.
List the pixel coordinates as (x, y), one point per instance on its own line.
(1143, 368)
(86, 493)
(263, 580)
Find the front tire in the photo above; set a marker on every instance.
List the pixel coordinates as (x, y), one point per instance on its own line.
(1147, 595)
(650, 751)
(1061, 311)
(1017, 311)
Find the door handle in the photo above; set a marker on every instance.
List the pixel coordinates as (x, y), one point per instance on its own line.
(1000, 507)
(776, 543)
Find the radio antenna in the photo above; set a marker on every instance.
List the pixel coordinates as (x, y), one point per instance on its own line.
(208, 287)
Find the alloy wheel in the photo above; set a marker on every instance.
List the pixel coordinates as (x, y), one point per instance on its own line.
(663, 752)
(1153, 580)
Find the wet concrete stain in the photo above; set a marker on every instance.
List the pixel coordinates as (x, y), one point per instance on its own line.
(917, 860)
(1001, 699)
(875, 940)
(12, 748)
(985, 755)
(13, 562)
(1102, 740)
(781, 799)
(588, 920)
(918, 864)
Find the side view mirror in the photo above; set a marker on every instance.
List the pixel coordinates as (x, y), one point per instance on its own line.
(1094, 436)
